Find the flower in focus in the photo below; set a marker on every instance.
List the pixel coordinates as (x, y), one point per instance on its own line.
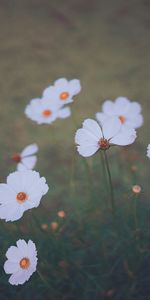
(136, 189)
(92, 137)
(21, 262)
(26, 160)
(148, 151)
(22, 191)
(44, 111)
(128, 113)
(63, 90)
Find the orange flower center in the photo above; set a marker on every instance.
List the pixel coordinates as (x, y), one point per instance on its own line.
(64, 96)
(21, 197)
(46, 113)
(122, 119)
(25, 263)
(104, 144)
(16, 157)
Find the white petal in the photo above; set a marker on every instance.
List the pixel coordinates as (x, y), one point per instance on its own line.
(85, 138)
(101, 117)
(134, 108)
(74, 86)
(15, 213)
(29, 150)
(87, 151)
(29, 162)
(121, 106)
(21, 167)
(93, 128)
(111, 127)
(148, 151)
(64, 113)
(19, 277)
(7, 195)
(108, 107)
(61, 83)
(135, 121)
(13, 254)
(11, 267)
(23, 247)
(125, 137)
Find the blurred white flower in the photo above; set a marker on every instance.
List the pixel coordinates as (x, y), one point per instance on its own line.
(92, 137)
(148, 151)
(26, 160)
(129, 113)
(22, 191)
(45, 111)
(63, 90)
(21, 262)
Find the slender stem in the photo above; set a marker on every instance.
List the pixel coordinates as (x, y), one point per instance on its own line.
(135, 213)
(43, 279)
(110, 183)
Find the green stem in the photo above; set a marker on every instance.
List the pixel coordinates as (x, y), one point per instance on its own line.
(110, 184)
(43, 279)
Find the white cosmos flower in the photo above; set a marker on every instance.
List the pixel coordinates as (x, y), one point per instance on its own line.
(148, 151)
(26, 160)
(129, 113)
(23, 191)
(92, 137)
(45, 111)
(21, 262)
(63, 90)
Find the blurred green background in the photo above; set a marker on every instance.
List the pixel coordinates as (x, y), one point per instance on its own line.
(106, 45)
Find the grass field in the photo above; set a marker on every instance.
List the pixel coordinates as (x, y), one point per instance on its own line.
(106, 45)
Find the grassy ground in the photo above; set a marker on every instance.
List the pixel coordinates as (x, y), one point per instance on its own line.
(106, 45)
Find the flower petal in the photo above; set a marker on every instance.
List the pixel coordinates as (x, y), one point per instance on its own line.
(93, 128)
(87, 151)
(124, 137)
(111, 127)
(108, 107)
(11, 267)
(29, 150)
(121, 106)
(101, 117)
(29, 162)
(64, 113)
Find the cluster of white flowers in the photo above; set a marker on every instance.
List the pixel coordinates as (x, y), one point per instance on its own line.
(24, 188)
(116, 126)
(50, 106)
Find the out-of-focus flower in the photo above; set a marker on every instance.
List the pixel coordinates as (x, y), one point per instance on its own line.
(44, 226)
(21, 262)
(54, 226)
(44, 111)
(134, 168)
(148, 151)
(22, 191)
(26, 160)
(61, 214)
(128, 113)
(63, 90)
(136, 189)
(92, 137)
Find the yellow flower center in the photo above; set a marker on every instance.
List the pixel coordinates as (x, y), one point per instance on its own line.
(64, 95)
(16, 157)
(122, 119)
(21, 197)
(46, 113)
(104, 144)
(25, 263)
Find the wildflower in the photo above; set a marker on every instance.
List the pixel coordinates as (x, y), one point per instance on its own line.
(61, 214)
(22, 191)
(92, 137)
(21, 262)
(54, 226)
(136, 189)
(63, 90)
(128, 113)
(26, 160)
(44, 226)
(148, 151)
(44, 111)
